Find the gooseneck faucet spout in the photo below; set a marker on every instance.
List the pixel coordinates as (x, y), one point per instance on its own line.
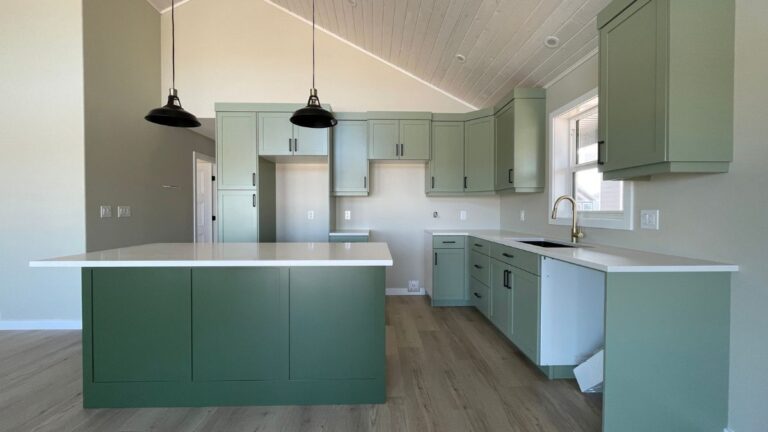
(576, 233)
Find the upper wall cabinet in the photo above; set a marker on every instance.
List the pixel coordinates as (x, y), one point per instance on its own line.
(279, 137)
(666, 87)
(399, 139)
(478, 155)
(236, 150)
(446, 169)
(519, 151)
(350, 158)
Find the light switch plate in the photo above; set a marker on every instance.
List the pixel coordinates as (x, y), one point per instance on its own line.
(105, 211)
(347, 215)
(123, 211)
(649, 219)
(463, 215)
(522, 215)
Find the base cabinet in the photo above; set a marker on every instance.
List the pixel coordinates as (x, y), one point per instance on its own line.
(526, 306)
(501, 297)
(448, 277)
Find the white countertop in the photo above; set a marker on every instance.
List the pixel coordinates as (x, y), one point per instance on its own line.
(603, 258)
(352, 232)
(231, 255)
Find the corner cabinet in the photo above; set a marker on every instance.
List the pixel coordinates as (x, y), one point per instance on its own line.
(519, 149)
(478, 155)
(665, 87)
(399, 139)
(350, 158)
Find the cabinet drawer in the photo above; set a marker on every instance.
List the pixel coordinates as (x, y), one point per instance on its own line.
(479, 245)
(480, 296)
(448, 242)
(479, 267)
(516, 257)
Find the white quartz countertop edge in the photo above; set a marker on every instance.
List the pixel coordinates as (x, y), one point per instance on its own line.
(215, 263)
(608, 259)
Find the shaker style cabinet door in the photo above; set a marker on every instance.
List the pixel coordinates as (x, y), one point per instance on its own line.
(446, 169)
(310, 142)
(237, 150)
(383, 139)
(501, 297)
(350, 158)
(478, 155)
(526, 305)
(275, 134)
(414, 139)
(238, 216)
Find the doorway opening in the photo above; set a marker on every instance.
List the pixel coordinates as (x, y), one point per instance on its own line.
(204, 172)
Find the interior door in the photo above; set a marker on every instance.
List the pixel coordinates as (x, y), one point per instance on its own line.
(203, 200)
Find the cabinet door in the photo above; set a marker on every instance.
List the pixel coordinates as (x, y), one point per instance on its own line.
(505, 148)
(141, 324)
(525, 316)
(238, 217)
(350, 158)
(227, 301)
(501, 297)
(414, 139)
(310, 142)
(448, 278)
(236, 150)
(528, 153)
(446, 169)
(383, 136)
(275, 134)
(628, 89)
(478, 155)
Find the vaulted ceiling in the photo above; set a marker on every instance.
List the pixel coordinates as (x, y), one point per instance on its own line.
(475, 50)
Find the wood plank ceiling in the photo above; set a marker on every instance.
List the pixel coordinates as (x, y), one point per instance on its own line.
(501, 41)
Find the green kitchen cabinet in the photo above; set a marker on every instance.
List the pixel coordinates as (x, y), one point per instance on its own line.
(279, 137)
(665, 87)
(391, 139)
(446, 168)
(501, 297)
(449, 277)
(141, 325)
(337, 323)
(526, 307)
(519, 142)
(238, 216)
(350, 158)
(480, 297)
(478, 155)
(236, 150)
(225, 301)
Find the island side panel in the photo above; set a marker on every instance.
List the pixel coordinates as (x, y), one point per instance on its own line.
(666, 351)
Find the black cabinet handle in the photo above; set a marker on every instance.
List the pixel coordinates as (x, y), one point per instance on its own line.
(295, 144)
(477, 295)
(465, 182)
(448, 242)
(253, 199)
(253, 178)
(365, 181)
(435, 258)
(478, 266)
(290, 145)
(506, 279)
(478, 245)
(600, 145)
(509, 176)
(433, 182)
(397, 149)
(402, 150)
(508, 255)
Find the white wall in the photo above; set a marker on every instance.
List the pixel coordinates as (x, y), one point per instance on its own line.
(299, 189)
(398, 211)
(41, 168)
(250, 51)
(720, 217)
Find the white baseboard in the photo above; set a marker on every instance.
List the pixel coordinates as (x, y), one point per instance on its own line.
(728, 430)
(404, 292)
(41, 325)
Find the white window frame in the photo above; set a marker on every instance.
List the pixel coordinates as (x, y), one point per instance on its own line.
(562, 167)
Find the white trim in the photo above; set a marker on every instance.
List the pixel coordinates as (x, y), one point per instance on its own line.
(195, 157)
(404, 292)
(572, 68)
(41, 325)
(370, 54)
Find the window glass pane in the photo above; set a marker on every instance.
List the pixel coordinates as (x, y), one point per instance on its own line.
(593, 194)
(586, 138)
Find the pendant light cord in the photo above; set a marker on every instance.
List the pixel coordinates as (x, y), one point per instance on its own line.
(313, 43)
(173, 42)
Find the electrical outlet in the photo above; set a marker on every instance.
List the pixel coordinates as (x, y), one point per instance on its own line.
(522, 215)
(413, 286)
(105, 211)
(311, 215)
(649, 219)
(123, 211)
(435, 215)
(347, 215)
(463, 215)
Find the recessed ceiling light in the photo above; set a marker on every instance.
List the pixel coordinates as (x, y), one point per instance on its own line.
(460, 58)
(552, 42)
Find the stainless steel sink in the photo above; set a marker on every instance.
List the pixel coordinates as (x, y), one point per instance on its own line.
(547, 244)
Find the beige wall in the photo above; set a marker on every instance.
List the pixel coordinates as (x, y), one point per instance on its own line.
(41, 168)
(720, 217)
(250, 51)
(128, 160)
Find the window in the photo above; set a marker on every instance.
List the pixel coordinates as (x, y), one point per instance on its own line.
(601, 204)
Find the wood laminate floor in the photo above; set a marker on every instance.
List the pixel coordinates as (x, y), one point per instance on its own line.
(448, 370)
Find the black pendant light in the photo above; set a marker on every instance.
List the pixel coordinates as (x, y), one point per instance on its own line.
(313, 115)
(172, 114)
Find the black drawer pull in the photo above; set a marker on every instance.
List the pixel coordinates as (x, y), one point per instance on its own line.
(477, 295)
(449, 242)
(600, 160)
(478, 245)
(508, 255)
(478, 266)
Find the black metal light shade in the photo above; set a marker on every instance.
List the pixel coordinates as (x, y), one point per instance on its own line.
(172, 114)
(313, 115)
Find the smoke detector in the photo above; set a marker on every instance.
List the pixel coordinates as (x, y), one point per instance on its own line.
(460, 58)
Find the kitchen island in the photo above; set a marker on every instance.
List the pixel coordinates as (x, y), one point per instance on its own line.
(188, 324)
